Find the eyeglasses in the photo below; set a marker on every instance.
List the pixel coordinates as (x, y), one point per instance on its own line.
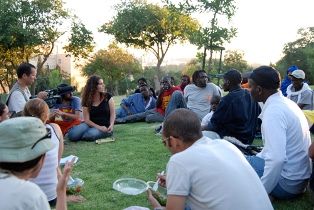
(164, 140)
(48, 135)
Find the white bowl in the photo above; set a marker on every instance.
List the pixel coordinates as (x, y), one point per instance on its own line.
(130, 186)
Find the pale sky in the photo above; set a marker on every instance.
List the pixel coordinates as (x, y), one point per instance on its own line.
(264, 26)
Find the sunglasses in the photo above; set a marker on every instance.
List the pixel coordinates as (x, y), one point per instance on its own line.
(48, 135)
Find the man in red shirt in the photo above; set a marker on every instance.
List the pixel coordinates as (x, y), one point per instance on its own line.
(169, 99)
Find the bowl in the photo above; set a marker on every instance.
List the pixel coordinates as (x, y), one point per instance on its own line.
(160, 194)
(74, 185)
(130, 186)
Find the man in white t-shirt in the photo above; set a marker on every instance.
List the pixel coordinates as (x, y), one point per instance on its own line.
(19, 93)
(199, 94)
(283, 164)
(204, 173)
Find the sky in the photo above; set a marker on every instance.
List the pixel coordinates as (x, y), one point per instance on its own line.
(264, 26)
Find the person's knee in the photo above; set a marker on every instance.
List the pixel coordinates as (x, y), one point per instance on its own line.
(177, 95)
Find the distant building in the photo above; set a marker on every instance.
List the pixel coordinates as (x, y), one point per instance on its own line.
(58, 61)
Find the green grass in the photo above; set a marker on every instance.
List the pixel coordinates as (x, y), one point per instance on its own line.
(136, 153)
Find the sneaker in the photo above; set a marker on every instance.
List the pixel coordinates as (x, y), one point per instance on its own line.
(158, 129)
(119, 121)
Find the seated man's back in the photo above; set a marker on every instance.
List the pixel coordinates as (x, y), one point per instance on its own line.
(237, 113)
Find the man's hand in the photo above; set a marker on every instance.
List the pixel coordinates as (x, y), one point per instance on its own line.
(162, 180)
(42, 95)
(153, 202)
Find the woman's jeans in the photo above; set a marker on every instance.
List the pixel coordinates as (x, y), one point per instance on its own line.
(86, 133)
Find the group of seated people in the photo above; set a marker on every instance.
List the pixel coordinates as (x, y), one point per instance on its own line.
(281, 170)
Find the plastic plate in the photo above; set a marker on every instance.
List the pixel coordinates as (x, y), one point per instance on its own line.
(130, 186)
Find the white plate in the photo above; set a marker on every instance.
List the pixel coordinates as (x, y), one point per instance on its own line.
(130, 186)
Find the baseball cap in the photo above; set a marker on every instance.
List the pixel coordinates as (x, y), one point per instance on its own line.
(299, 74)
(23, 139)
(64, 89)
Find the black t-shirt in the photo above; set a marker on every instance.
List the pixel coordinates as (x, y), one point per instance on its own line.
(101, 114)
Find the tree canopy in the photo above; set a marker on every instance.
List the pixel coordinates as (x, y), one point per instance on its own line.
(213, 34)
(150, 27)
(299, 52)
(112, 64)
(29, 29)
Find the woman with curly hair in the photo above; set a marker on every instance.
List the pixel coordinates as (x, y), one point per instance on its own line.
(98, 113)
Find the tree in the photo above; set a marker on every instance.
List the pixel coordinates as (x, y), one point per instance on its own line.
(299, 52)
(29, 29)
(150, 27)
(235, 60)
(112, 64)
(212, 36)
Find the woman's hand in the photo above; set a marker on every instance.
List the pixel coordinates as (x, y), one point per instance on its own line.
(110, 128)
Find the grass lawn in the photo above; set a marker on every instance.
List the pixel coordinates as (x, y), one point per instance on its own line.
(136, 153)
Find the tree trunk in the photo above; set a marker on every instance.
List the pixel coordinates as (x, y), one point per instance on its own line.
(204, 58)
(210, 60)
(157, 76)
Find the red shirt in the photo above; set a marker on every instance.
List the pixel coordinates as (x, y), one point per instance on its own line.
(165, 98)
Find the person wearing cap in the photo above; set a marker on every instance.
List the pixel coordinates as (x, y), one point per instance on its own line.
(287, 80)
(299, 91)
(66, 112)
(19, 94)
(283, 164)
(24, 141)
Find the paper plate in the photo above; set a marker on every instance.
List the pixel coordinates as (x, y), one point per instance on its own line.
(130, 186)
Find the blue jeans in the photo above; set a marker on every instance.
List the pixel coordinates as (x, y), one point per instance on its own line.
(86, 133)
(258, 165)
(177, 101)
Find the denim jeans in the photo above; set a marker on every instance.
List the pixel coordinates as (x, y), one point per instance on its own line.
(177, 101)
(258, 165)
(86, 133)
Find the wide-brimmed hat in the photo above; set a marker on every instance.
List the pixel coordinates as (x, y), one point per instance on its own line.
(23, 139)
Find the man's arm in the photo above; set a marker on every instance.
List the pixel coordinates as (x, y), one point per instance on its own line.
(175, 202)
(274, 134)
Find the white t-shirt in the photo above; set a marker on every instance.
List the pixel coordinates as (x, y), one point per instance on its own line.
(286, 138)
(207, 118)
(198, 99)
(47, 178)
(18, 194)
(213, 174)
(17, 100)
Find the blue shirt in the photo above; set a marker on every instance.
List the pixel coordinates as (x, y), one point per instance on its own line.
(236, 116)
(136, 104)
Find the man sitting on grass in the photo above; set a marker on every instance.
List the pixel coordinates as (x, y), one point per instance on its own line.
(134, 104)
(236, 115)
(283, 165)
(204, 173)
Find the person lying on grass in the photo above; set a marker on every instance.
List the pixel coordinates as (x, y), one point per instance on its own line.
(204, 173)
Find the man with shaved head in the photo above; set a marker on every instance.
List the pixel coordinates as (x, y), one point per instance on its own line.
(204, 173)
